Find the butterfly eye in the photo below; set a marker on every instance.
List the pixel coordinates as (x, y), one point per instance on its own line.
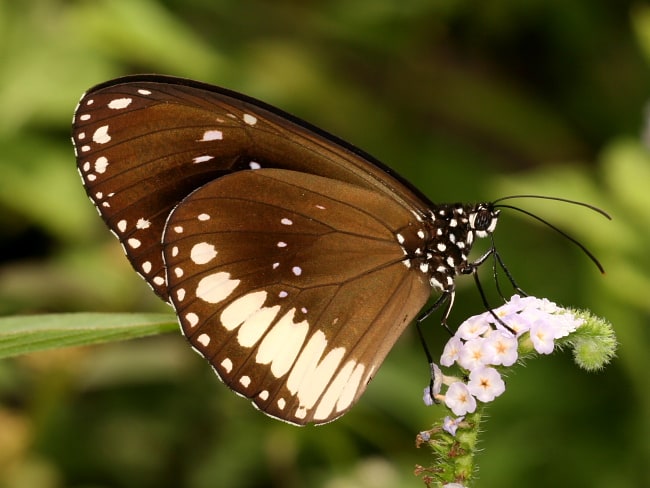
(483, 220)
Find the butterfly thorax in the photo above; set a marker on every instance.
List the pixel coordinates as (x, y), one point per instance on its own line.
(446, 239)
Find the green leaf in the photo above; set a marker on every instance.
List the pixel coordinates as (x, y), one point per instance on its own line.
(30, 333)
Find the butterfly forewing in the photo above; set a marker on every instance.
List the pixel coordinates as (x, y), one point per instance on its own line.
(292, 286)
(144, 143)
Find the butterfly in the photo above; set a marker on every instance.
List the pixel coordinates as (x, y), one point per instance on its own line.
(293, 260)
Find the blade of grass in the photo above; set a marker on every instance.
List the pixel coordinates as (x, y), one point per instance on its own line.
(30, 333)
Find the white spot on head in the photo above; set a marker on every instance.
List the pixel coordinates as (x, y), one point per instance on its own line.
(453, 223)
(450, 261)
(424, 267)
(254, 165)
(216, 287)
(297, 270)
(100, 136)
(286, 221)
(211, 135)
(202, 253)
(119, 103)
(142, 91)
(250, 119)
(142, 224)
(203, 217)
(202, 159)
(227, 365)
(421, 234)
(441, 246)
(192, 319)
(204, 340)
(134, 243)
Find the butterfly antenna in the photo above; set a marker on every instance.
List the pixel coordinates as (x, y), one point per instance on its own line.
(582, 247)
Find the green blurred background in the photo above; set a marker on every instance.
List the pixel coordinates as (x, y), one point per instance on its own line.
(469, 100)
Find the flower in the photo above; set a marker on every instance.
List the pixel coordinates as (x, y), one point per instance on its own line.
(459, 399)
(450, 424)
(485, 384)
(482, 343)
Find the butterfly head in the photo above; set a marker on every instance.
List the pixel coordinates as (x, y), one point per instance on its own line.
(452, 231)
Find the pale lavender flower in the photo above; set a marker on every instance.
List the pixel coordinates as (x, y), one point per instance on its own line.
(451, 351)
(501, 348)
(472, 355)
(485, 384)
(450, 424)
(459, 399)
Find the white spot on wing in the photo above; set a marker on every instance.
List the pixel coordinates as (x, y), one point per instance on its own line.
(250, 119)
(84, 117)
(255, 326)
(142, 224)
(119, 103)
(245, 381)
(334, 392)
(297, 270)
(101, 136)
(203, 339)
(216, 287)
(254, 165)
(286, 221)
(211, 135)
(227, 365)
(146, 267)
(192, 319)
(203, 217)
(310, 375)
(101, 164)
(282, 343)
(134, 243)
(241, 309)
(202, 159)
(202, 253)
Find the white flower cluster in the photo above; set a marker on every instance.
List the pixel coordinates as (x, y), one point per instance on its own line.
(482, 343)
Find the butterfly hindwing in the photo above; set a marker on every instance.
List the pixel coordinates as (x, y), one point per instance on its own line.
(293, 287)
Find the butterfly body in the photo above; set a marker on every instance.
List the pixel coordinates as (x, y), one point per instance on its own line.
(293, 260)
